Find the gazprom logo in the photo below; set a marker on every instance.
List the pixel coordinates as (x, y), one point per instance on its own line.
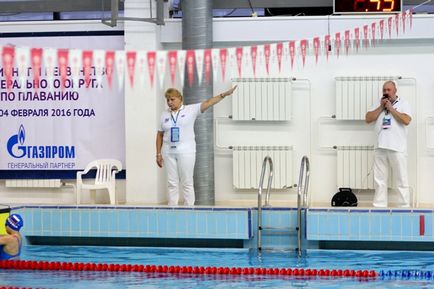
(17, 148)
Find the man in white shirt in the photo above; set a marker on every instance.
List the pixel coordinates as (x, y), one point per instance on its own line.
(391, 116)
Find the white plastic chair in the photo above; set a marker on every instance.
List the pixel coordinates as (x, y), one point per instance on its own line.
(106, 169)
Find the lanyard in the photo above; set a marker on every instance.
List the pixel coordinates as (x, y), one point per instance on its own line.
(175, 119)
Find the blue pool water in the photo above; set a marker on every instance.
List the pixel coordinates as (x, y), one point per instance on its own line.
(318, 259)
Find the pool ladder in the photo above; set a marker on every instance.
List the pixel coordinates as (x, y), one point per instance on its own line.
(302, 189)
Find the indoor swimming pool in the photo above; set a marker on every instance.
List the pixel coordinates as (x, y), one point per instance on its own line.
(396, 269)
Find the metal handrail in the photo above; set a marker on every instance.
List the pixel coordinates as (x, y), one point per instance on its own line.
(267, 196)
(303, 186)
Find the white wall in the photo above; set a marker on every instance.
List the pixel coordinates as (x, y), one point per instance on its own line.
(309, 132)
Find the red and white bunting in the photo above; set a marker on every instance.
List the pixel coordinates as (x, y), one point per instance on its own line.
(254, 56)
(303, 47)
(109, 66)
(316, 45)
(397, 24)
(389, 26)
(260, 60)
(8, 55)
(207, 57)
(62, 59)
(403, 20)
(22, 55)
(279, 54)
(49, 58)
(337, 43)
(142, 68)
(181, 65)
(327, 45)
(99, 62)
(347, 41)
(161, 66)
(172, 57)
(131, 66)
(373, 32)
(190, 66)
(223, 60)
(267, 53)
(151, 66)
(75, 61)
(292, 52)
(365, 35)
(215, 54)
(239, 59)
(199, 64)
(382, 29)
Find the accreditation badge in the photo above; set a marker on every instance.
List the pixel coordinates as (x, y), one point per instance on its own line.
(174, 134)
(387, 122)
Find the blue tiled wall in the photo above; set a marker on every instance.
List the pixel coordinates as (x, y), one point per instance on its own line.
(212, 223)
(370, 225)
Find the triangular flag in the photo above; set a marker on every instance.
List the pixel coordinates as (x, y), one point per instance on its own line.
(346, 40)
(172, 57)
(232, 61)
(120, 67)
(207, 56)
(357, 37)
(109, 66)
(49, 56)
(365, 35)
(403, 20)
(382, 29)
(215, 54)
(316, 48)
(131, 66)
(199, 64)
(279, 54)
(62, 59)
(161, 66)
(151, 66)
(292, 52)
(181, 65)
(190, 66)
(303, 47)
(410, 16)
(8, 55)
(142, 67)
(22, 55)
(327, 45)
(254, 55)
(239, 59)
(99, 62)
(223, 60)
(87, 66)
(36, 60)
(397, 23)
(373, 32)
(75, 61)
(389, 25)
(267, 53)
(337, 43)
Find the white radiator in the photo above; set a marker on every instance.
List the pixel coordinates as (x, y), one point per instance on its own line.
(356, 95)
(34, 183)
(354, 167)
(247, 166)
(262, 99)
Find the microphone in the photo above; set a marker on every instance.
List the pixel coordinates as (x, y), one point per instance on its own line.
(385, 96)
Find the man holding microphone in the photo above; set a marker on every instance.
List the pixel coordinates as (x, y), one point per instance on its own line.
(391, 116)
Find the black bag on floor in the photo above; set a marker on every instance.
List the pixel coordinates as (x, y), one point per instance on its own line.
(344, 198)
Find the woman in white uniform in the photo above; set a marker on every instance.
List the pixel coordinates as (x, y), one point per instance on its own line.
(176, 145)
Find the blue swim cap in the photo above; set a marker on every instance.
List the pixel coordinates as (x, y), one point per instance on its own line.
(15, 222)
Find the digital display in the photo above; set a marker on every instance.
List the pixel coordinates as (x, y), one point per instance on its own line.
(366, 6)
